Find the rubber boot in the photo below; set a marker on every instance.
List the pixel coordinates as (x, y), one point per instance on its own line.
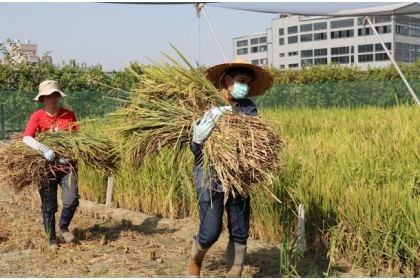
(235, 256)
(65, 219)
(48, 220)
(194, 265)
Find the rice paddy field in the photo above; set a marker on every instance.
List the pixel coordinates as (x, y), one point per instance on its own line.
(355, 171)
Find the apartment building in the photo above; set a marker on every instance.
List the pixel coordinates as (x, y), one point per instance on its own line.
(26, 51)
(295, 41)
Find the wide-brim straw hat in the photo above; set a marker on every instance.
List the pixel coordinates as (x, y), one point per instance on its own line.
(48, 87)
(263, 79)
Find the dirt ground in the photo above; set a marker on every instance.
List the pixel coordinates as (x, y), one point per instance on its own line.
(114, 242)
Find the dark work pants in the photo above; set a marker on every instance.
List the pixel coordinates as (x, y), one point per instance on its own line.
(211, 217)
(70, 193)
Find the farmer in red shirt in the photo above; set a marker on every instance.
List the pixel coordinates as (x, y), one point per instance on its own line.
(51, 119)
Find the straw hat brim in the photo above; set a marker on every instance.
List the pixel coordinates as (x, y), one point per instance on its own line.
(263, 79)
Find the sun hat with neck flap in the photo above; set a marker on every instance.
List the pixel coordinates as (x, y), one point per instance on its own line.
(262, 82)
(48, 87)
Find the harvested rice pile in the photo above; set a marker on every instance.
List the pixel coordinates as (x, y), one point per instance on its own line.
(23, 167)
(161, 109)
(244, 151)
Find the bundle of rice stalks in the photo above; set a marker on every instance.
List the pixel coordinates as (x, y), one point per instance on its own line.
(22, 166)
(187, 87)
(243, 151)
(148, 125)
(160, 113)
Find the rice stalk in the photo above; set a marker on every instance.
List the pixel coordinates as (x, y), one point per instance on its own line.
(22, 166)
(244, 151)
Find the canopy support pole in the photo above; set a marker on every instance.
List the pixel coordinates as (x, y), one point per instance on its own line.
(393, 61)
(200, 7)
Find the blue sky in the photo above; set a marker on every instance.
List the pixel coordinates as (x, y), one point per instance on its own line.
(115, 34)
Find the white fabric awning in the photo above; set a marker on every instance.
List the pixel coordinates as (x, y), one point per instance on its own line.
(339, 9)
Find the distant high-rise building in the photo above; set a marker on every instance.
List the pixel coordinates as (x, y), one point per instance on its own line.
(26, 51)
(295, 41)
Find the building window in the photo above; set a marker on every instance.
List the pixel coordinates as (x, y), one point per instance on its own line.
(263, 61)
(398, 46)
(254, 41)
(342, 34)
(263, 40)
(306, 27)
(292, 29)
(398, 56)
(383, 29)
(294, 65)
(320, 52)
(364, 31)
(415, 32)
(403, 30)
(381, 56)
(306, 62)
(360, 21)
(306, 53)
(320, 26)
(281, 41)
(281, 31)
(306, 38)
(342, 23)
(405, 57)
(281, 55)
(380, 19)
(292, 53)
(340, 50)
(341, 59)
(254, 61)
(263, 48)
(242, 51)
(406, 47)
(412, 57)
(242, 43)
(415, 48)
(321, 60)
(254, 49)
(292, 39)
(402, 19)
(365, 48)
(365, 58)
(281, 66)
(378, 47)
(320, 36)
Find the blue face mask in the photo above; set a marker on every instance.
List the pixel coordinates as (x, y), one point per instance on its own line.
(239, 91)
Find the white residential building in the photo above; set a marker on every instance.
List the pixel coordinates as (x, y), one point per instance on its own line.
(26, 51)
(295, 41)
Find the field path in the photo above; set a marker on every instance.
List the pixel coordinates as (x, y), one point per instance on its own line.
(111, 243)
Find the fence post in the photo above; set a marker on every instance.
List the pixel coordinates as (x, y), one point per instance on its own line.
(3, 129)
(301, 228)
(109, 192)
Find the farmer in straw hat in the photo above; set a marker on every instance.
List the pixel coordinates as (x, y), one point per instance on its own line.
(51, 119)
(235, 81)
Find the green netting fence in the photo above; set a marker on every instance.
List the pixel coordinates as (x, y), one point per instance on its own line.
(16, 107)
(344, 94)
